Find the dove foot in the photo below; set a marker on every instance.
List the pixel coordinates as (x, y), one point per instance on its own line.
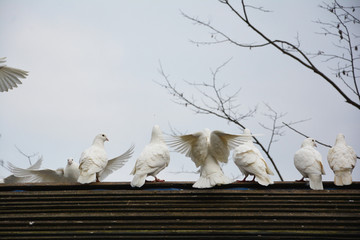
(300, 180)
(158, 180)
(244, 180)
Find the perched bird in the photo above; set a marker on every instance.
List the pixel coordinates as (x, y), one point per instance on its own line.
(94, 164)
(153, 159)
(13, 179)
(207, 149)
(9, 77)
(68, 174)
(307, 161)
(342, 160)
(250, 161)
(93, 160)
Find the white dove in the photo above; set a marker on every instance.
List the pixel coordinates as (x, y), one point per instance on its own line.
(68, 174)
(307, 161)
(9, 77)
(206, 150)
(93, 160)
(13, 179)
(153, 159)
(94, 164)
(342, 160)
(250, 161)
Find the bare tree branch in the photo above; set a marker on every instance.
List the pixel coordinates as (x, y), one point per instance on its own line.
(26, 155)
(219, 106)
(289, 49)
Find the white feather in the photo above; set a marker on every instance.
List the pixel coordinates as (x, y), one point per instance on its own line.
(9, 77)
(13, 179)
(116, 163)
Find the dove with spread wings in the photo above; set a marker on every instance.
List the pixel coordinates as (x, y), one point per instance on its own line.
(207, 150)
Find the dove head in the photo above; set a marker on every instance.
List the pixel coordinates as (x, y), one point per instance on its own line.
(247, 134)
(340, 138)
(100, 138)
(156, 134)
(70, 161)
(309, 142)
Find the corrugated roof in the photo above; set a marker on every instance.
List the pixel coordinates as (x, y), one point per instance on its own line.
(175, 210)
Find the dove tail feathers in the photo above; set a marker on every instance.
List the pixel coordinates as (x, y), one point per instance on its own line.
(343, 178)
(264, 180)
(138, 180)
(316, 182)
(212, 180)
(84, 178)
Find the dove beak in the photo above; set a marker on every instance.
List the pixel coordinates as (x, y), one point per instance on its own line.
(107, 139)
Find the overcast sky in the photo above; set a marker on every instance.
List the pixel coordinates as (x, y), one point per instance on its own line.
(93, 68)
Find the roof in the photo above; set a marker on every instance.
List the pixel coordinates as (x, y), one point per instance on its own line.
(176, 210)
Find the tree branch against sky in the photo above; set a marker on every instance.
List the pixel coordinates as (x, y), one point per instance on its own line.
(213, 99)
(347, 61)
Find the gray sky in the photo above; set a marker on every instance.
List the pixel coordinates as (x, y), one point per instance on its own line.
(93, 66)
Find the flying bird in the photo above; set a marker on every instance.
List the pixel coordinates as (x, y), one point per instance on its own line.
(342, 160)
(68, 174)
(307, 161)
(207, 149)
(94, 164)
(9, 77)
(152, 160)
(13, 179)
(250, 161)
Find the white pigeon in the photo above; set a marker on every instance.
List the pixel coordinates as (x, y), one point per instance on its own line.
(9, 77)
(207, 149)
(342, 160)
(250, 161)
(68, 174)
(308, 162)
(13, 179)
(93, 160)
(94, 164)
(153, 159)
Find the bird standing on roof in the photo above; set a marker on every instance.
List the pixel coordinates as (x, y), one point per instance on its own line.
(153, 159)
(250, 161)
(94, 164)
(342, 160)
(207, 149)
(9, 77)
(307, 161)
(93, 160)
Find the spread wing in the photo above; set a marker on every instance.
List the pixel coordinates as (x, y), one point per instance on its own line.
(116, 163)
(194, 146)
(37, 164)
(9, 77)
(34, 175)
(13, 179)
(221, 143)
